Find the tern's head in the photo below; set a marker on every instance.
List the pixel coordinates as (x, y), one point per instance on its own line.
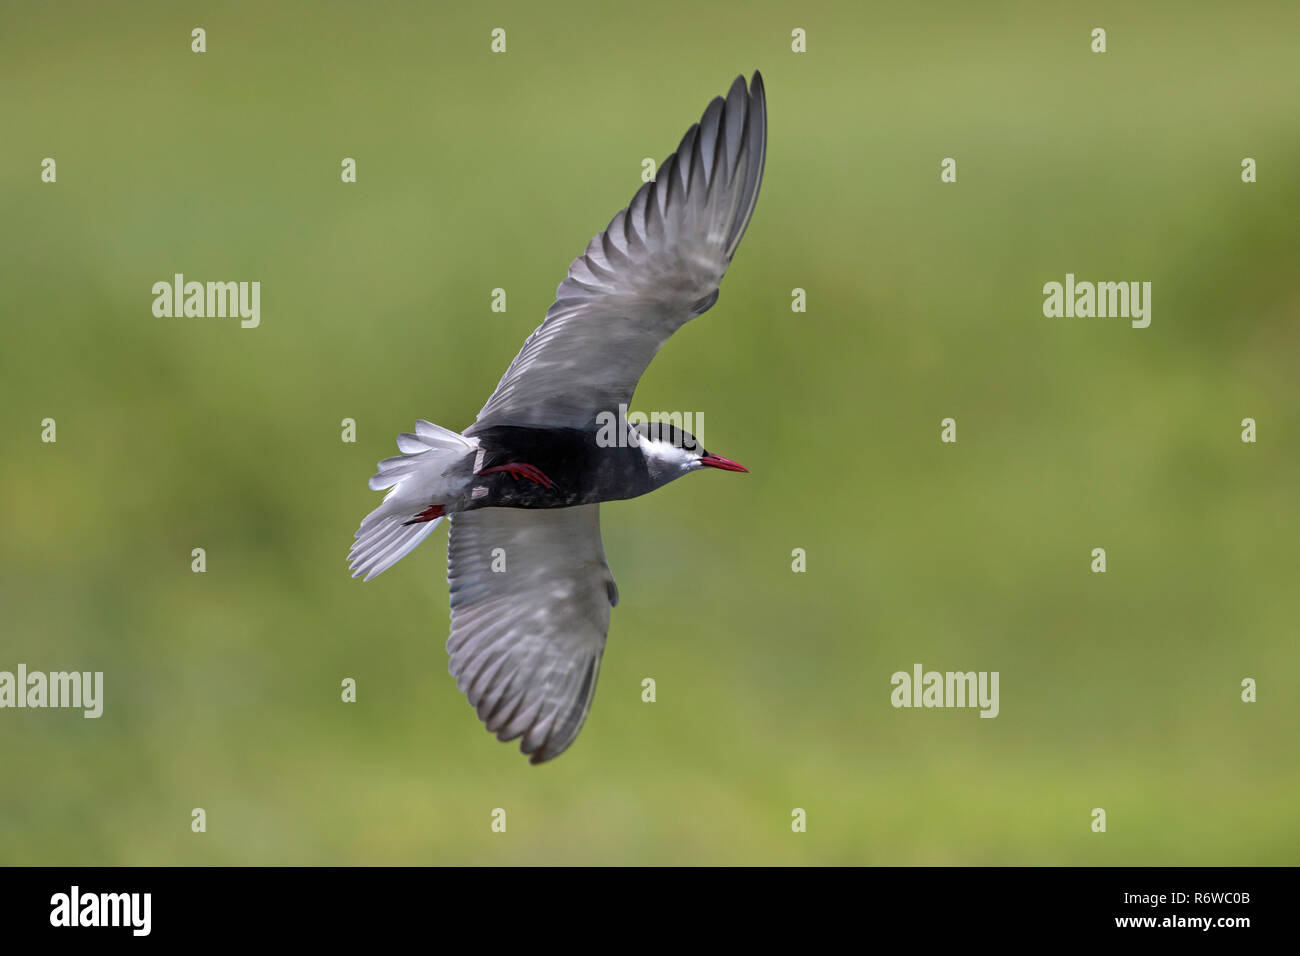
(671, 452)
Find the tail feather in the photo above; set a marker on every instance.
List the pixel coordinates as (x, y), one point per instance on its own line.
(387, 541)
(435, 436)
(416, 481)
(430, 443)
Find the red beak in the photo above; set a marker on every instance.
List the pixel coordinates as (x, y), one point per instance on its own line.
(726, 464)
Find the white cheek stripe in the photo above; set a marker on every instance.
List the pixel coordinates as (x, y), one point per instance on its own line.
(665, 452)
(478, 463)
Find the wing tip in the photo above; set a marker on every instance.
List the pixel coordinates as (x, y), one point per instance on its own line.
(550, 748)
(540, 756)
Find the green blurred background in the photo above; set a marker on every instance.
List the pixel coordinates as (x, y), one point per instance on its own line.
(479, 171)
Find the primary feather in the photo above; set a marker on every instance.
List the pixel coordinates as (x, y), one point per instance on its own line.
(654, 268)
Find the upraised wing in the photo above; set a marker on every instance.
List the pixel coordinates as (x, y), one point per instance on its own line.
(656, 266)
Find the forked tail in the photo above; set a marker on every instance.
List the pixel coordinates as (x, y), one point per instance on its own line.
(412, 507)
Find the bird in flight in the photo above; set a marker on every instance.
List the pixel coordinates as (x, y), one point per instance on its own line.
(529, 586)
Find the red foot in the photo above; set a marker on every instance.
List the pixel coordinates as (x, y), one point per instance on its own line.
(430, 513)
(517, 470)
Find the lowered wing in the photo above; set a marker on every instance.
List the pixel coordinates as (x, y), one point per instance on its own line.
(528, 621)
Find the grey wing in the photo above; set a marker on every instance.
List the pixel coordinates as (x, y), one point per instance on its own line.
(528, 622)
(656, 266)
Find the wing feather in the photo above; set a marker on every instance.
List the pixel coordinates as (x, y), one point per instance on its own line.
(655, 267)
(526, 641)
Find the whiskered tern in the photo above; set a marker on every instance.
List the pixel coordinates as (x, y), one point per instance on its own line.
(530, 589)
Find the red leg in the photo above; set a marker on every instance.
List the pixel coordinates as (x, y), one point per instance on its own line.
(517, 470)
(430, 513)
